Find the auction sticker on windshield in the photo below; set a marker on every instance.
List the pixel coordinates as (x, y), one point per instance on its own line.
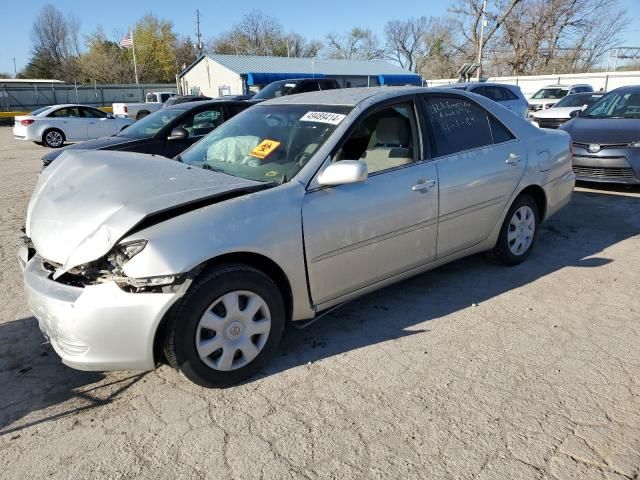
(264, 149)
(323, 117)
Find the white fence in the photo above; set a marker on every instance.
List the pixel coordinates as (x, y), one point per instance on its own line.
(531, 84)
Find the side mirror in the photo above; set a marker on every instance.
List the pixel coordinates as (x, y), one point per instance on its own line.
(343, 172)
(574, 114)
(111, 116)
(178, 134)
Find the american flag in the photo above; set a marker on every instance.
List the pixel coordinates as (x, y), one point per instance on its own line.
(127, 40)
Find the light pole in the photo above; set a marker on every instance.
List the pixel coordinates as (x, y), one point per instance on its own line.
(483, 21)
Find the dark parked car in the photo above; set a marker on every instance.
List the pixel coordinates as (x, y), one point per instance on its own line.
(509, 96)
(606, 138)
(178, 99)
(166, 132)
(293, 86)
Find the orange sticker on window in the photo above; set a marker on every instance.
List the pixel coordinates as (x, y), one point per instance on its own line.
(264, 149)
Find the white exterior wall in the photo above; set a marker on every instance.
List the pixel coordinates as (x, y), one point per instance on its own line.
(531, 84)
(209, 76)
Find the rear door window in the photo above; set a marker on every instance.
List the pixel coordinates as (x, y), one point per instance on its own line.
(203, 122)
(457, 124)
(327, 85)
(308, 87)
(92, 113)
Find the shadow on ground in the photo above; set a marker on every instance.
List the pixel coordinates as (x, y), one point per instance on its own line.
(34, 379)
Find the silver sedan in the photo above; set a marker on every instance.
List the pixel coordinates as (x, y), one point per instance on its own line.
(292, 207)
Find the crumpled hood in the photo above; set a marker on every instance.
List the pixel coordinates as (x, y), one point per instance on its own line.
(603, 131)
(88, 200)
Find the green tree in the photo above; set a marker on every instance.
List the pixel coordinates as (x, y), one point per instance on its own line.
(104, 61)
(155, 43)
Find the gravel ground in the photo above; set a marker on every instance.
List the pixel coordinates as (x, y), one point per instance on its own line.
(470, 371)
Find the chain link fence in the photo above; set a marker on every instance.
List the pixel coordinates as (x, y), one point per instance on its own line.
(16, 97)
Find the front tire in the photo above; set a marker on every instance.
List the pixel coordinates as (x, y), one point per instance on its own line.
(53, 138)
(518, 233)
(226, 327)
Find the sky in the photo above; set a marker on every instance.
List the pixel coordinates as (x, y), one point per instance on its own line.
(311, 19)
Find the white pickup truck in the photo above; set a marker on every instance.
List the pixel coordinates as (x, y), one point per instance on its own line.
(153, 101)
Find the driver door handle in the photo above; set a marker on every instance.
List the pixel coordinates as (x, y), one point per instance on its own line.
(423, 185)
(512, 159)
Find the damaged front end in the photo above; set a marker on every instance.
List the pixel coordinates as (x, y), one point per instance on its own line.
(110, 268)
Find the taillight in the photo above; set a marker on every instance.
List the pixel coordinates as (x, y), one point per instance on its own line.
(126, 109)
(26, 123)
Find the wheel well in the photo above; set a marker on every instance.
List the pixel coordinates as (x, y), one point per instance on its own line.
(537, 193)
(255, 260)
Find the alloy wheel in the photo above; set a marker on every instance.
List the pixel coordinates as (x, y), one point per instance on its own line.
(54, 138)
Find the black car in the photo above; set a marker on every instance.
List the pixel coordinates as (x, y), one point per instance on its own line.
(606, 138)
(166, 132)
(293, 86)
(178, 99)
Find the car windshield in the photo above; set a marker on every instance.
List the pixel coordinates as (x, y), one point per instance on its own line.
(577, 100)
(266, 142)
(148, 126)
(550, 93)
(275, 89)
(39, 111)
(615, 105)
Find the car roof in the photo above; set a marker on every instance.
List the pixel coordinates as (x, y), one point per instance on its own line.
(348, 96)
(190, 105)
(565, 85)
(628, 88)
(478, 84)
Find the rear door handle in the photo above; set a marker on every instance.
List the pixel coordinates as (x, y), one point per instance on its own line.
(512, 159)
(423, 185)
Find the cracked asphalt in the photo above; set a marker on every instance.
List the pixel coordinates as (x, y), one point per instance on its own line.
(471, 371)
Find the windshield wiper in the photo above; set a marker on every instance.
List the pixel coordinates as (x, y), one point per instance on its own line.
(206, 166)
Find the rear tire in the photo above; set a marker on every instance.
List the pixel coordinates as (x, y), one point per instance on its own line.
(518, 232)
(214, 337)
(53, 138)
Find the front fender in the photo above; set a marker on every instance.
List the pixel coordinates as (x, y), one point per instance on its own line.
(267, 223)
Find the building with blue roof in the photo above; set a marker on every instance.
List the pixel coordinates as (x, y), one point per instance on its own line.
(215, 75)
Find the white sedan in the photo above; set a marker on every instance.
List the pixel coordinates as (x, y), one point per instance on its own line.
(56, 125)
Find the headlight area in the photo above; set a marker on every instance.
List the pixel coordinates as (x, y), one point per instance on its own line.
(110, 269)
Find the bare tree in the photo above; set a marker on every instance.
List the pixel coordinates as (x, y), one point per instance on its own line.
(443, 52)
(259, 34)
(405, 40)
(548, 36)
(357, 44)
(56, 41)
(468, 14)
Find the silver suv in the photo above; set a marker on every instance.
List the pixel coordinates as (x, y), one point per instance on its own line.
(548, 96)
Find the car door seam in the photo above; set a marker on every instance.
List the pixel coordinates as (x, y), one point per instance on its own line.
(376, 239)
(471, 209)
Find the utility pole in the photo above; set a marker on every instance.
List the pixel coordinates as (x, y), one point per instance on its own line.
(15, 70)
(198, 34)
(483, 22)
